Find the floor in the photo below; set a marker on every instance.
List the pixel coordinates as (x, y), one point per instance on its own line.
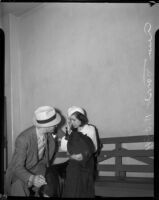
(121, 189)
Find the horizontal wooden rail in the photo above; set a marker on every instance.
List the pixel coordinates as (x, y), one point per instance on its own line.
(127, 168)
(126, 153)
(128, 139)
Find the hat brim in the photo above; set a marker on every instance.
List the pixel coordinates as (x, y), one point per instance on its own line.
(49, 124)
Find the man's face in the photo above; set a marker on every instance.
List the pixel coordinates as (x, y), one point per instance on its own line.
(51, 129)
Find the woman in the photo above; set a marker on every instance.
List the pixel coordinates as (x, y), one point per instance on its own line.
(81, 146)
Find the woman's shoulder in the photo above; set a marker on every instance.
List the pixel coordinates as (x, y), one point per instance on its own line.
(89, 129)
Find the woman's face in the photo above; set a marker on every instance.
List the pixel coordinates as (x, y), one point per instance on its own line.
(74, 121)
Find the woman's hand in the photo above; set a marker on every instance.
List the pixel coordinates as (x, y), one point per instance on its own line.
(77, 157)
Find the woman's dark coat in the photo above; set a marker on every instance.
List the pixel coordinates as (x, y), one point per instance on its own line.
(80, 174)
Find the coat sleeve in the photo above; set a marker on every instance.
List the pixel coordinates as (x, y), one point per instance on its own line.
(88, 152)
(88, 147)
(20, 157)
(60, 133)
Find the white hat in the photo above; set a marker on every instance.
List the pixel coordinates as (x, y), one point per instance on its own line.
(74, 109)
(46, 116)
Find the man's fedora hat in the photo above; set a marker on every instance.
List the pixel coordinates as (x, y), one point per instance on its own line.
(46, 116)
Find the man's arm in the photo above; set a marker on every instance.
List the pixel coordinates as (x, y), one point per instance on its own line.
(20, 170)
(20, 158)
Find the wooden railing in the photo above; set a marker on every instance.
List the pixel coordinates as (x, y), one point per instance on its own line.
(120, 184)
(145, 155)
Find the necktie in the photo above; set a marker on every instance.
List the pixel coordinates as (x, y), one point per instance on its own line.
(41, 147)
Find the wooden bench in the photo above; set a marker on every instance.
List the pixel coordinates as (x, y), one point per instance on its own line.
(121, 185)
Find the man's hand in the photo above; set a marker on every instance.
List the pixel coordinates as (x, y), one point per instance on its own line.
(77, 157)
(39, 180)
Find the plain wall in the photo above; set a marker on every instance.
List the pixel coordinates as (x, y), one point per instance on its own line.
(12, 84)
(89, 55)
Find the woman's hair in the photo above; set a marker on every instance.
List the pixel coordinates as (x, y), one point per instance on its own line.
(82, 118)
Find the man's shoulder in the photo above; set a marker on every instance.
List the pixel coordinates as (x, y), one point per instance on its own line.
(27, 132)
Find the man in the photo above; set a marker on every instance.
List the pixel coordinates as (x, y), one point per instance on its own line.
(34, 153)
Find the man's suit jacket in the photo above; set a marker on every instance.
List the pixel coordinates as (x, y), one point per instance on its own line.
(25, 158)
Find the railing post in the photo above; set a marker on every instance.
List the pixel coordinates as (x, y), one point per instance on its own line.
(118, 163)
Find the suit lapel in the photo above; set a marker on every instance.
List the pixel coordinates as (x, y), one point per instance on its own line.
(50, 148)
